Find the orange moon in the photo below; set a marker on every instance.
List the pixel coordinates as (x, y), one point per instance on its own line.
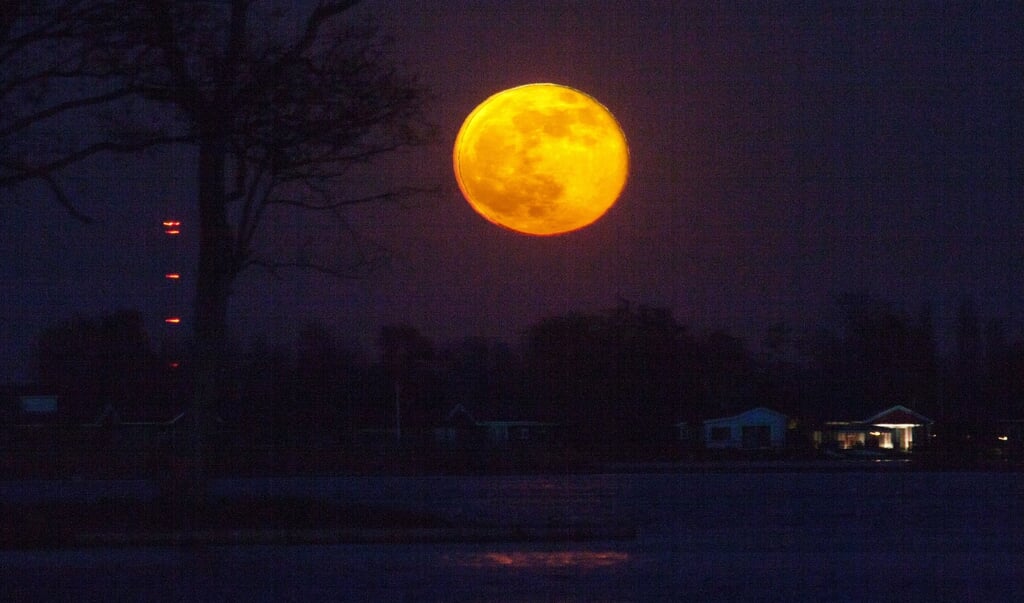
(541, 159)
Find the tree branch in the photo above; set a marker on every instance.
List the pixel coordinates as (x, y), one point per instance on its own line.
(64, 200)
(353, 272)
(391, 195)
(24, 173)
(324, 12)
(189, 95)
(79, 103)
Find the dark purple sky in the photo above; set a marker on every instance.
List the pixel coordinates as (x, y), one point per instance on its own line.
(781, 153)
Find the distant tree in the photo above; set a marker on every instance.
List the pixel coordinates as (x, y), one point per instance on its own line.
(926, 363)
(48, 79)
(874, 357)
(729, 374)
(785, 365)
(328, 373)
(657, 363)
(618, 380)
(968, 362)
(484, 375)
(1011, 379)
(408, 373)
(263, 383)
(567, 368)
(281, 102)
(823, 391)
(93, 362)
(1002, 388)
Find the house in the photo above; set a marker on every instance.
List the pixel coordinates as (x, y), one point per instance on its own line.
(42, 435)
(38, 406)
(31, 409)
(756, 429)
(903, 424)
(141, 428)
(1010, 438)
(460, 429)
(895, 428)
(509, 433)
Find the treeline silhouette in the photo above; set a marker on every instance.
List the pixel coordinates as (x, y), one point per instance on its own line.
(618, 381)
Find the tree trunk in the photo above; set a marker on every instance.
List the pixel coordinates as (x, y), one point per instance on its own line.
(216, 272)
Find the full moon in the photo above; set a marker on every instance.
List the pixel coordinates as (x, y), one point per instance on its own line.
(541, 159)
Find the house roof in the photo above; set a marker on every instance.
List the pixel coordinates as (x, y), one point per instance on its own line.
(459, 417)
(143, 415)
(760, 410)
(848, 427)
(898, 415)
(517, 424)
(462, 416)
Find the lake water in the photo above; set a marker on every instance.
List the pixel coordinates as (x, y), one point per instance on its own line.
(779, 536)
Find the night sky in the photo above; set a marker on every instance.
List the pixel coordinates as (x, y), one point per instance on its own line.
(782, 153)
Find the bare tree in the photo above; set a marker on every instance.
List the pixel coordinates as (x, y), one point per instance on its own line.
(282, 103)
(48, 76)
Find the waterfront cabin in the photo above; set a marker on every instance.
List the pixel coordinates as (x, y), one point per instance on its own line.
(756, 429)
(893, 429)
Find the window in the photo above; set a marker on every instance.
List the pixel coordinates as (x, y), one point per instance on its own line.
(721, 434)
(519, 433)
(757, 436)
(850, 439)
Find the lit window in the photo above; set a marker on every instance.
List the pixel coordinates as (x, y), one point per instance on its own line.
(172, 276)
(172, 320)
(849, 440)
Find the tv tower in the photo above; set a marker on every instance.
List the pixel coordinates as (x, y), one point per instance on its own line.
(172, 313)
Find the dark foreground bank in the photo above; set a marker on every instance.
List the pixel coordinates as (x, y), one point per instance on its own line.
(291, 521)
(130, 521)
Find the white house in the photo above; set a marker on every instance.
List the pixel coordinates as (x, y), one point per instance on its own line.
(461, 428)
(903, 424)
(757, 428)
(38, 405)
(894, 428)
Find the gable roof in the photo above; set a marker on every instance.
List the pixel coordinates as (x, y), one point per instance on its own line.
(759, 410)
(459, 417)
(489, 413)
(898, 415)
(153, 416)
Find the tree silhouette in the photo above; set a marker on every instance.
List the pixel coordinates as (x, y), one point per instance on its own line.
(874, 356)
(618, 379)
(485, 376)
(281, 103)
(49, 78)
(728, 374)
(92, 362)
(406, 357)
